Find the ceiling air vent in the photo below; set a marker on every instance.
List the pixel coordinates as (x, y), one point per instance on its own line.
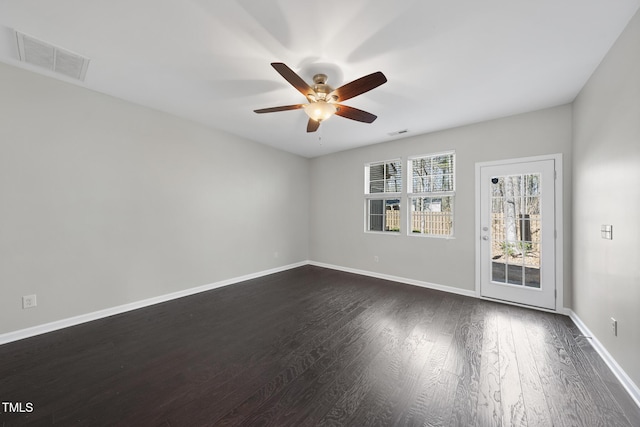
(44, 55)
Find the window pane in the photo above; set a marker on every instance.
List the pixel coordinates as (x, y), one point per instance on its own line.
(376, 172)
(376, 187)
(421, 171)
(447, 182)
(376, 222)
(376, 207)
(497, 205)
(384, 177)
(393, 204)
(532, 185)
(394, 186)
(392, 215)
(376, 215)
(433, 173)
(533, 205)
(442, 183)
(497, 187)
(432, 215)
(421, 184)
(383, 215)
(443, 164)
(393, 177)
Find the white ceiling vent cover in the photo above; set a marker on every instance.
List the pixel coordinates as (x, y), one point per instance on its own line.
(44, 55)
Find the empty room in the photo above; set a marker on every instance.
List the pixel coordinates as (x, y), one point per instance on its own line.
(296, 213)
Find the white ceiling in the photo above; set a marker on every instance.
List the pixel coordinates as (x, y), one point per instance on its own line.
(448, 62)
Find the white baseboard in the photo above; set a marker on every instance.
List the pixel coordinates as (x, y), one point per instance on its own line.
(100, 314)
(622, 376)
(88, 317)
(617, 370)
(405, 280)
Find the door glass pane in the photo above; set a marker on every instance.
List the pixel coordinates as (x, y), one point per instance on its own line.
(515, 230)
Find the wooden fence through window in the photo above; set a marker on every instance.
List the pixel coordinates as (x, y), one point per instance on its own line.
(441, 223)
(436, 223)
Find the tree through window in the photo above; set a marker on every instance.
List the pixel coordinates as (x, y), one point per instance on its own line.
(431, 193)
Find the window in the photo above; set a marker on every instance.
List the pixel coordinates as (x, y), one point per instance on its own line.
(383, 188)
(431, 193)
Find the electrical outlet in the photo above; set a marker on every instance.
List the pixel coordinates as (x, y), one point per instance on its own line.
(614, 327)
(29, 301)
(376, 259)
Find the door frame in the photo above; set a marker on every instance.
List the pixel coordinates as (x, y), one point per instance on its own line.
(559, 227)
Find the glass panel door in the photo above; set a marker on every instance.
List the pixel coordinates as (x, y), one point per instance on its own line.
(517, 221)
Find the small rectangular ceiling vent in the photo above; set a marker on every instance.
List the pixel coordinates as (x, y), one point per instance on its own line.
(45, 55)
(398, 132)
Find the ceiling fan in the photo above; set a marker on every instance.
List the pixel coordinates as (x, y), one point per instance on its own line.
(323, 99)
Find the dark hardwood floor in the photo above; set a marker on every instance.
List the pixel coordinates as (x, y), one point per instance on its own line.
(315, 347)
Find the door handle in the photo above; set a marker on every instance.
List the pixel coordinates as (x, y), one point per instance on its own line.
(485, 237)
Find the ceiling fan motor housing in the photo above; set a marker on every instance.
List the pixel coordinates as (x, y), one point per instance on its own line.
(321, 88)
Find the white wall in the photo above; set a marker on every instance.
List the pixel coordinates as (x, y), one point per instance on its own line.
(103, 202)
(607, 191)
(337, 204)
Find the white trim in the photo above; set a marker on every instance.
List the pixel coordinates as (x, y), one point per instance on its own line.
(88, 317)
(559, 221)
(621, 375)
(559, 232)
(420, 283)
(379, 196)
(562, 311)
(433, 236)
(476, 230)
(440, 153)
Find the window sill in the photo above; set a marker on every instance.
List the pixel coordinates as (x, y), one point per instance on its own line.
(433, 236)
(384, 233)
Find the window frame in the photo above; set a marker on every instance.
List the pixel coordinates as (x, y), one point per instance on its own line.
(384, 195)
(411, 195)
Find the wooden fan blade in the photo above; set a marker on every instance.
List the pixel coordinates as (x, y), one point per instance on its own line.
(294, 79)
(360, 86)
(355, 114)
(276, 109)
(312, 125)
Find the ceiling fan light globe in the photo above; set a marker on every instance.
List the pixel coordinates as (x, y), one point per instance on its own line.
(320, 110)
